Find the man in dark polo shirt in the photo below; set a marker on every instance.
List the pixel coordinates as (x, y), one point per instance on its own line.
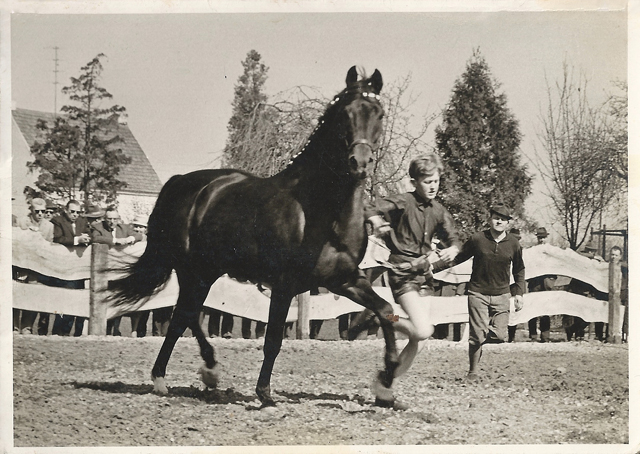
(495, 254)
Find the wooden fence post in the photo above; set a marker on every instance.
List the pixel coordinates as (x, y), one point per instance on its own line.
(97, 287)
(615, 280)
(302, 327)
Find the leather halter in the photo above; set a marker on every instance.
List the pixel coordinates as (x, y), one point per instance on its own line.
(361, 142)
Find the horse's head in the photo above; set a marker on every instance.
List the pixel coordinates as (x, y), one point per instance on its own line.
(361, 121)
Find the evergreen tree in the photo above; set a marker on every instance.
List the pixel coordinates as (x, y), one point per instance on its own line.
(79, 153)
(252, 128)
(479, 142)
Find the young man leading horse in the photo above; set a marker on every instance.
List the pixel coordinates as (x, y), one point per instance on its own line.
(410, 221)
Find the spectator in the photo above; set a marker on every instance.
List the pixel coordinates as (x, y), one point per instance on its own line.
(616, 254)
(94, 216)
(36, 222)
(139, 319)
(410, 220)
(71, 230)
(540, 284)
(574, 325)
(160, 320)
(246, 328)
(52, 210)
(495, 253)
(213, 326)
(113, 233)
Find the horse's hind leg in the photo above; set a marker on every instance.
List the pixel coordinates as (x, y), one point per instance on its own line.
(193, 292)
(280, 302)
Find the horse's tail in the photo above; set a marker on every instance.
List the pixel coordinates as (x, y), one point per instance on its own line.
(151, 272)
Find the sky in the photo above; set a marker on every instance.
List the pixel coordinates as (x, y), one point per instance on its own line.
(175, 73)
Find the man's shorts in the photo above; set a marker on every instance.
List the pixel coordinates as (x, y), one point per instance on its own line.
(488, 318)
(402, 282)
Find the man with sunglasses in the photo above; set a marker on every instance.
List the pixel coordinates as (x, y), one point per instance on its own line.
(70, 229)
(52, 209)
(35, 222)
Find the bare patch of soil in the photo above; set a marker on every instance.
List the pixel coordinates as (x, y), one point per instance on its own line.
(96, 391)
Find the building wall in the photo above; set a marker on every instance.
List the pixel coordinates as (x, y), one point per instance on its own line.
(130, 205)
(20, 175)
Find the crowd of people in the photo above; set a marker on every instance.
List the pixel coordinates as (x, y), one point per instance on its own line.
(70, 226)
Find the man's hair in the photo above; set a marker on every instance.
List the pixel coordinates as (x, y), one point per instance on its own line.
(72, 202)
(425, 165)
(617, 248)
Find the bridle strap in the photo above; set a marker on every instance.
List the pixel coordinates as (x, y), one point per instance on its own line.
(361, 142)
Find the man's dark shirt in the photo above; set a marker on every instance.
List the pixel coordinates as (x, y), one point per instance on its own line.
(492, 263)
(414, 222)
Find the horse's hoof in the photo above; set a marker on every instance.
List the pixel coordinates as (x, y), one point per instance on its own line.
(270, 410)
(268, 407)
(159, 386)
(379, 390)
(210, 377)
(393, 403)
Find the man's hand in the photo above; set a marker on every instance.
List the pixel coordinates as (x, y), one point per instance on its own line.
(380, 226)
(518, 301)
(449, 254)
(84, 239)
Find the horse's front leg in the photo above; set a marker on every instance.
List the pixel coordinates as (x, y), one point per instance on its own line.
(359, 289)
(278, 309)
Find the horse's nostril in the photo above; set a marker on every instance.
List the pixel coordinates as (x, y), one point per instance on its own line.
(353, 162)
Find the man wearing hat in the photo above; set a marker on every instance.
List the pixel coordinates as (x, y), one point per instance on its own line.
(36, 222)
(542, 235)
(94, 215)
(52, 210)
(139, 224)
(495, 254)
(540, 284)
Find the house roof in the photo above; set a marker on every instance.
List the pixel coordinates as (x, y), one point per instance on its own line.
(139, 175)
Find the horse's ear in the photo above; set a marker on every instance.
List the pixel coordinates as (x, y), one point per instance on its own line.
(376, 81)
(352, 76)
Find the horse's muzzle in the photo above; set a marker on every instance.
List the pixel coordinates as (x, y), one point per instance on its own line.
(360, 157)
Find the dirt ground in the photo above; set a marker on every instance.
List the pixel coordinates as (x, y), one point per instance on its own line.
(96, 391)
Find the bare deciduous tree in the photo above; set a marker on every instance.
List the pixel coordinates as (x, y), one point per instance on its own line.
(399, 143)
(580, 152)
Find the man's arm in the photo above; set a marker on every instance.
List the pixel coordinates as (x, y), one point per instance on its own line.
(100, 236)
(468, 251)
(517, 268)
(383, 211)
(448, 233)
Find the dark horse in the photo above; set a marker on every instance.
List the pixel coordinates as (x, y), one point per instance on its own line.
(300, 229)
